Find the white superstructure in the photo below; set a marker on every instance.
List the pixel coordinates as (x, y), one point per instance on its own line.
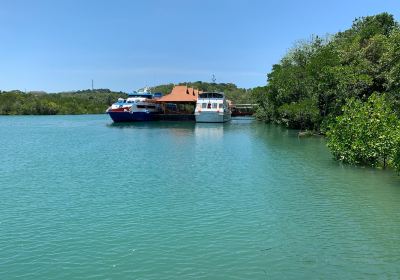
(212, 107)
(138, 101)
(139, 106)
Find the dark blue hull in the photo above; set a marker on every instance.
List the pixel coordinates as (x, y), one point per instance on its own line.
(131, 117)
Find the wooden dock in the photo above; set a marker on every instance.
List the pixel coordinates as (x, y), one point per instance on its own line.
(175, 117)
(243, 109)
(238, 110)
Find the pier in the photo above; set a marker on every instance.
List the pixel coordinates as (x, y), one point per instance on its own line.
(243, 109)
(175, 117)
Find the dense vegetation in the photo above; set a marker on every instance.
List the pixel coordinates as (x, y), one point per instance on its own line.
(347, 86)
(366, 133)
(39, 103)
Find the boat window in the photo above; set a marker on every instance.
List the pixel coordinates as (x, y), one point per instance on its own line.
(140, 106)
(203, 105)
(151, 107)
(210, 95)
(148, 96)
(215, 105)
(209, 106)
(221, 105)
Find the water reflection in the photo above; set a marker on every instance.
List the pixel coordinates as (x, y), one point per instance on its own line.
(188, 125)
(209, 130)
(153, 125)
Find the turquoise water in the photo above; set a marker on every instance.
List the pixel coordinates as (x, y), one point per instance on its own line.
(84, 199)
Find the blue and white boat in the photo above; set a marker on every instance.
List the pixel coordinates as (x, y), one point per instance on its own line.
(140, 105)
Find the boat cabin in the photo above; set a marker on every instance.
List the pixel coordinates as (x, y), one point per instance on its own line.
(211, 101)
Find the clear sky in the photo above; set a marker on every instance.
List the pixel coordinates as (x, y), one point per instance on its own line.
(123, 45)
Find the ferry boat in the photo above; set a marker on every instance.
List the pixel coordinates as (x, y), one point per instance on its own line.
(139, 106)
(212, 107)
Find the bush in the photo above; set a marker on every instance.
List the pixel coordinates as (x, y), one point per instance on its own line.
(303, 114)
(367, 133)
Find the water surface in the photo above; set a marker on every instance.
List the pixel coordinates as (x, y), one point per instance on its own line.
(84, 199)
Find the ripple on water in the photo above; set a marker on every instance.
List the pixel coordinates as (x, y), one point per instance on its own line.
(85, 199)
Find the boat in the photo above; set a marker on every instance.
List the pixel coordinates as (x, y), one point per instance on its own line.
(212, 107)
(140, 105)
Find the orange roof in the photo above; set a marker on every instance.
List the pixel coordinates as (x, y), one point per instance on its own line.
(181, 94)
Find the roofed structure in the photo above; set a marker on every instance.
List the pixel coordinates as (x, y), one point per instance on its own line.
(181, 94)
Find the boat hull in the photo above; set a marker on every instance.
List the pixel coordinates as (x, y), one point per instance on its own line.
(131, 116)
(212, 117)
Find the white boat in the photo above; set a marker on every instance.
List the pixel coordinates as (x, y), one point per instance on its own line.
(139, 106)
(212, 107)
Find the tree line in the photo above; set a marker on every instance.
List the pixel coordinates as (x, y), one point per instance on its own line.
(346, 86)
(95, 101)
(40, 103)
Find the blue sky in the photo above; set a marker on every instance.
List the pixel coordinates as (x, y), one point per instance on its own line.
(123, 45)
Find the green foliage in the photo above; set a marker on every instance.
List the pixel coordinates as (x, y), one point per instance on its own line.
(396, 159)
(327, 72)
(164, 89)
(266, 108)
(303, 114)
(367, 27)
(366, 133)
(80, 102)
(336, 85)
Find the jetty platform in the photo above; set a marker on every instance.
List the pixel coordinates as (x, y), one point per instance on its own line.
(175, 117)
